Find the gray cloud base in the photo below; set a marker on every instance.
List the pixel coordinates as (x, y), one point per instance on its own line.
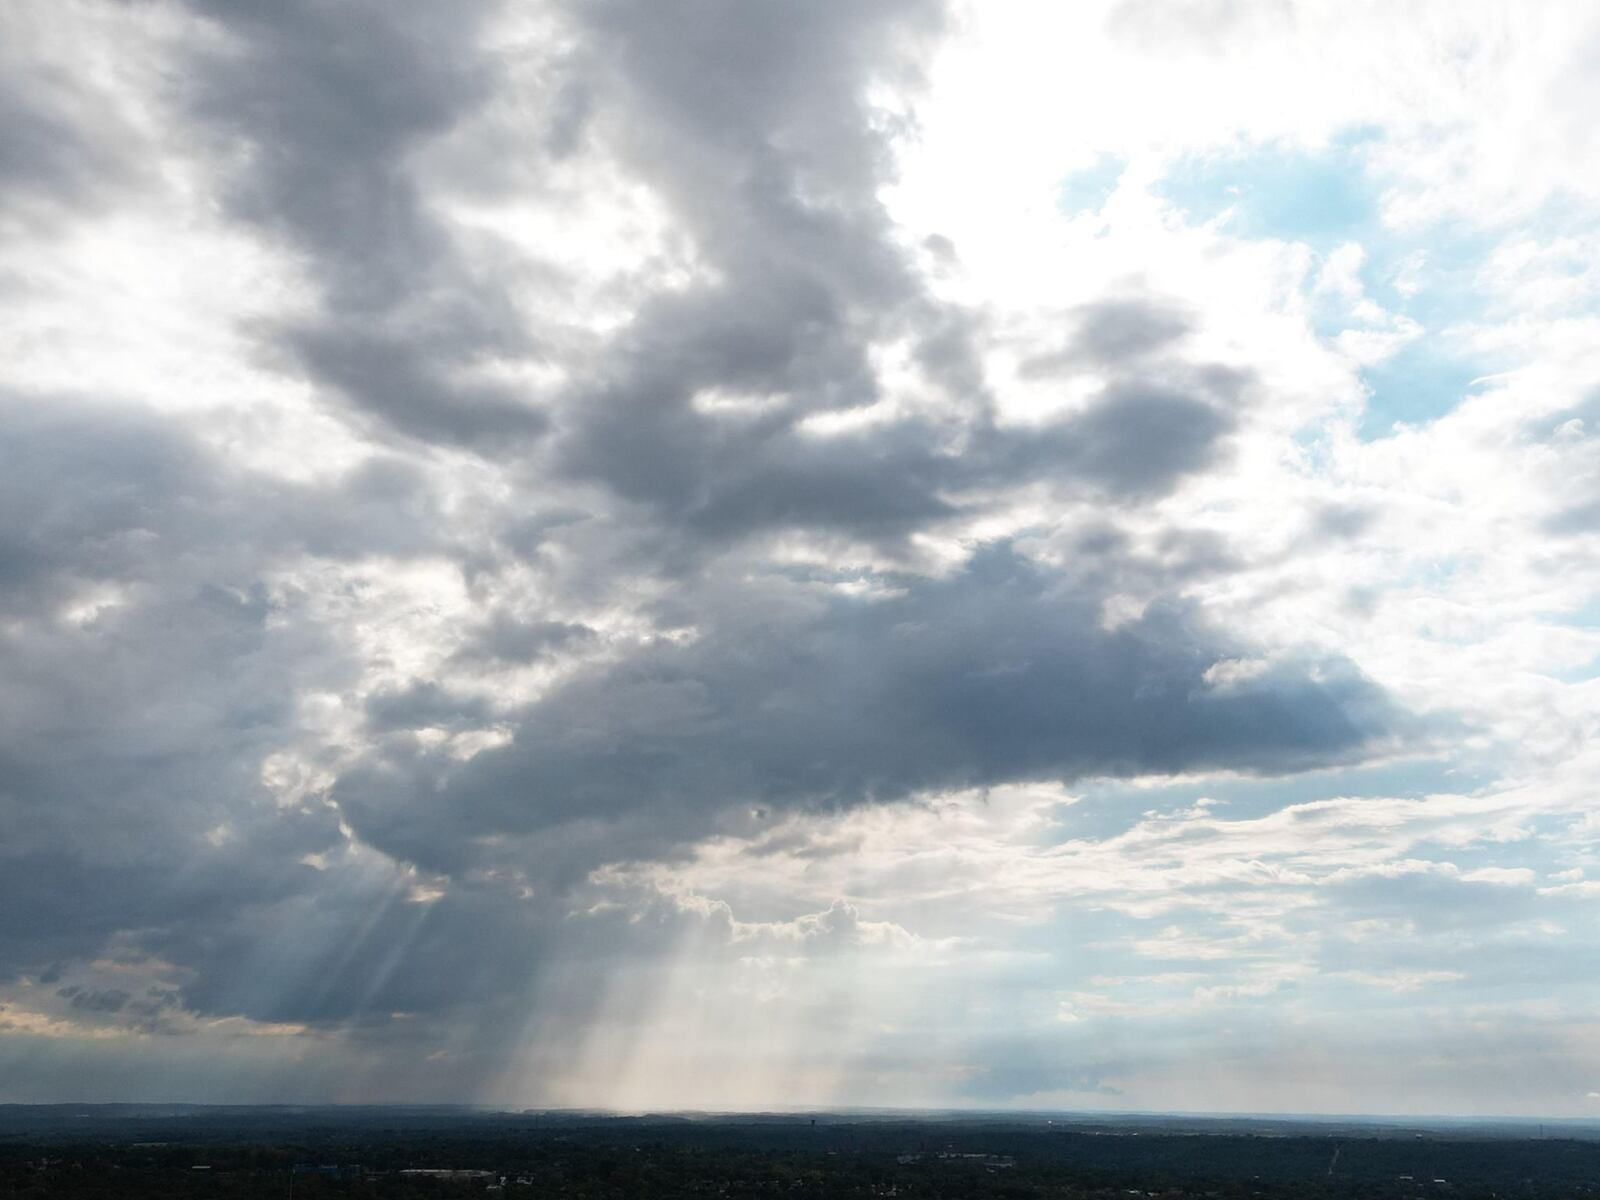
(135, 815)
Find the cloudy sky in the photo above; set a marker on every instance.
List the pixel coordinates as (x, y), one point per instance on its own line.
(740, 553)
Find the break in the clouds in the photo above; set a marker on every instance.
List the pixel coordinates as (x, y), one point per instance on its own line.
(756, 554)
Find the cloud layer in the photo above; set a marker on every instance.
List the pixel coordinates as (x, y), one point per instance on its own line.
(548, 552)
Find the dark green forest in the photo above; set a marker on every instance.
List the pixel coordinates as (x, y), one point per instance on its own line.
(313, 1154)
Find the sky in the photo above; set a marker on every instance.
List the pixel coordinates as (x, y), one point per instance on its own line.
(793, 553)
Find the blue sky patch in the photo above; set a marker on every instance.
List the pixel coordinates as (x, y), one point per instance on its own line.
(1088, 189)
(1322, 198)
(1421, 383)
(1326, 199)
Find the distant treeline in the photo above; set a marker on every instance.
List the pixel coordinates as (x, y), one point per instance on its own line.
(317, 1153)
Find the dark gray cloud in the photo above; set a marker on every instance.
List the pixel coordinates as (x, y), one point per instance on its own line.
(1112, 333)
(134, 730)
(778, 190)
(107, 1000)
(1141, 440)
(1576, 518)
(423, 705)
(115, 493)
(505, 639)
(43, 153)
(999, 674)
(66, 146)
(603, 589)
(1342, 521)
(329, 100)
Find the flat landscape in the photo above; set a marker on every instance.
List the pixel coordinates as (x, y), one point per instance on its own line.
(197, 1151)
